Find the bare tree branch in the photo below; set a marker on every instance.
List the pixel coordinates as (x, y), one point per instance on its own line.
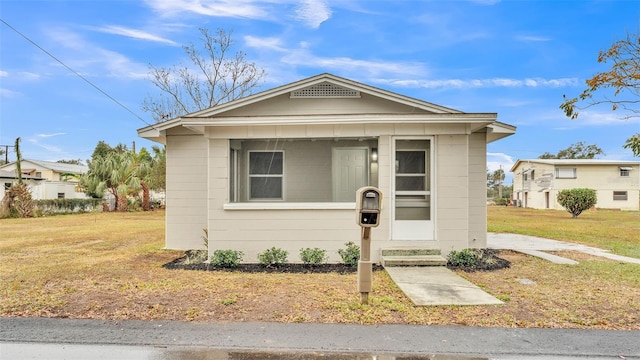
(215, 77)
(618, 87)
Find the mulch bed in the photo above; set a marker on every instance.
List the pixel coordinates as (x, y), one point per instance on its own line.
(488, 260)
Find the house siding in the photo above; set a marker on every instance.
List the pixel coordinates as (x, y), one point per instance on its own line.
(186, 207)
(477, 191)
(199, 170)
(452, 192)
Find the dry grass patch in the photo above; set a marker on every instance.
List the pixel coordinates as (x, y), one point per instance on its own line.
(109, 266)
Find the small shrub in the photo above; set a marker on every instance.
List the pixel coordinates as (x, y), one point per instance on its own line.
(462, 258)
(273, 257)
(351, 254)
(313, 256)
(226, 258)
(577, 200)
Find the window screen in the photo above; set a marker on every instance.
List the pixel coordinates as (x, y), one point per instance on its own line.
(266, 174)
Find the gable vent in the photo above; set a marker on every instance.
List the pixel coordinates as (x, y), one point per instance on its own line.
(325, 90)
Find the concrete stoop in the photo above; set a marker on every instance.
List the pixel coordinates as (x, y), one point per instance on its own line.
(412, 256)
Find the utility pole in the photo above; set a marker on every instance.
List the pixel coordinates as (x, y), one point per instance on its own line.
(501, 176)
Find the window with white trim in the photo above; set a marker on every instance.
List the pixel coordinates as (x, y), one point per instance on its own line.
(266, 175)
(625, 171)
(620, 195)
(315, 170)
(566, 173)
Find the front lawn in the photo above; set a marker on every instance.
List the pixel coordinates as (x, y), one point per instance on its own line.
(109, 266)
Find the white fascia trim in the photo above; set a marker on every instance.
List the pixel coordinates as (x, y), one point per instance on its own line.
(291, 206)
(342, 119)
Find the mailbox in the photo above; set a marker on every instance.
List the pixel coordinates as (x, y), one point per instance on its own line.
(368, 206)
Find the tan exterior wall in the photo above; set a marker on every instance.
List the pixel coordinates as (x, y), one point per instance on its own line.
(285, 105)
(604, 178)
(477, 191)
(255, 230)
(186, 192)
(452, 192)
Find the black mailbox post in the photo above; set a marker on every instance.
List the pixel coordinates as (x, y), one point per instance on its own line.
(368, 207)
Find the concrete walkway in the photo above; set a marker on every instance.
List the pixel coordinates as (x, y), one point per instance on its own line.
(537, 246)
(436, 285)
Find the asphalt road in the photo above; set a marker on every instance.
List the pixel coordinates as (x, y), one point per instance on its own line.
(457, 341)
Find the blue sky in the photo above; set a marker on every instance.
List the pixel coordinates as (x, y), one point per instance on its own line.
(516, 58)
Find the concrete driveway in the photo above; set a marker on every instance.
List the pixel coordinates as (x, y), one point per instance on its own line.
(537, 246)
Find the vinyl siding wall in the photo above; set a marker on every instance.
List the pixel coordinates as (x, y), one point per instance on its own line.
(255, 230)
(186, 192)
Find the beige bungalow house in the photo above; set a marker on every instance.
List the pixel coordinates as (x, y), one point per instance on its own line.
(536, 182)
(281, 168)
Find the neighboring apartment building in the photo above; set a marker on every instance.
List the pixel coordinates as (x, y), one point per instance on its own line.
(57, 180)
(536, 182)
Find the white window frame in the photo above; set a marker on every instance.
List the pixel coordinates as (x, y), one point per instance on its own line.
(625, 171)
(250, 176)
(561, 173)
(620, 196)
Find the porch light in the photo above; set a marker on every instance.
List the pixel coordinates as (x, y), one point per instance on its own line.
(374, 155)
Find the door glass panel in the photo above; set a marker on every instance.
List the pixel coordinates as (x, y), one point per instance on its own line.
(409, 183)
(413, 200)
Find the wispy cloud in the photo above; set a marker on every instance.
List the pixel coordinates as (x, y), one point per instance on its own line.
(8, 94)
(50, 148)
(216, 8)
(596, 118)
(3, 73)
(88, 58)
(50, 135)
(480, 83)
(270, 43)
(313, 12)
(134, 33)
(497, 161)
(302, 57)
(532, 38)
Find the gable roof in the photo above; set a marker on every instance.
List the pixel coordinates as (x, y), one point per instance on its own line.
(12, 175)
(328, 86)
(565, 162)
(325, 78)
(54, 166)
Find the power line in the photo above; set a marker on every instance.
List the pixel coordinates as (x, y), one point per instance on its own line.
(76, 73)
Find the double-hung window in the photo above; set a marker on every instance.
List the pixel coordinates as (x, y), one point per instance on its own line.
(266, 175)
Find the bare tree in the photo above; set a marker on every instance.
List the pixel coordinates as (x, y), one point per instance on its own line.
(217, 76)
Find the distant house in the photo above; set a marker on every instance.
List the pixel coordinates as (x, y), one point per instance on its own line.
(536, 182)
(54, 180)
(281, 168)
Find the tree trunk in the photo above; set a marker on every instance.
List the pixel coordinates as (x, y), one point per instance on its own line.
(146, 202)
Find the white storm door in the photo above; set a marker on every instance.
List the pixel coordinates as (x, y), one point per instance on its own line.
(412, 196)
(350, 172)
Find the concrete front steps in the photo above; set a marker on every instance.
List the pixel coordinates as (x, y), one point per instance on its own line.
(412, 256)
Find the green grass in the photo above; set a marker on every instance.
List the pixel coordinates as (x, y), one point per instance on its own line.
(617, 231)
(109, 266)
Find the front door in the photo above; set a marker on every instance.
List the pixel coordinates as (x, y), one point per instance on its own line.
(350, 172)
(412, 195)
